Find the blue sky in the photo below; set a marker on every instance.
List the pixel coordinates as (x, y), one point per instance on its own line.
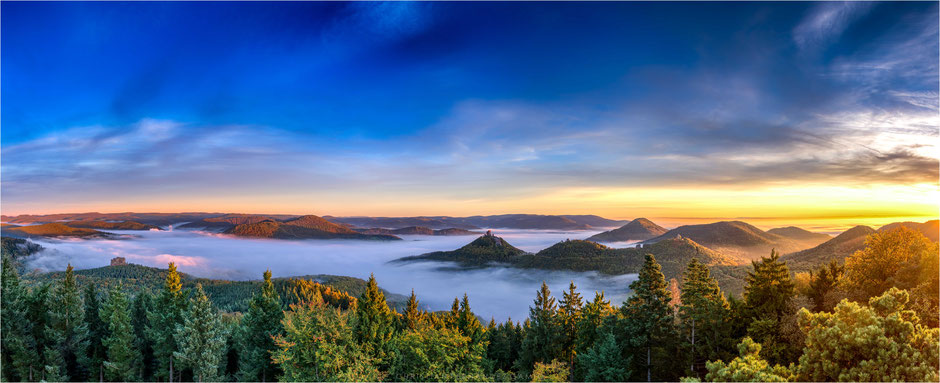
(455, 108)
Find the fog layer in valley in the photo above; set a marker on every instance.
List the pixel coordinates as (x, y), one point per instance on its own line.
(494, 292)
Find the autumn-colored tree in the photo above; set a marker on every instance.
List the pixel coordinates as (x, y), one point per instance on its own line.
(902, 258)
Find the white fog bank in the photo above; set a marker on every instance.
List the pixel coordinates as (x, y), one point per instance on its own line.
(494, 292)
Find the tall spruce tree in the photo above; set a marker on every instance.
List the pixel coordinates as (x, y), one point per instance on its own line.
(142, 305)
(201, 338)
(37, 314)
(413, 315)
(542, 342)
(705, 316)
(260, 325)
(67, 331)
(822, 286)
(17, 353)
(467, 322)
(649, 334)
(603, 362)
(166, 315)
(375, 325)
(95, 354)
(123, 358)
(769, 297)
(569, 316)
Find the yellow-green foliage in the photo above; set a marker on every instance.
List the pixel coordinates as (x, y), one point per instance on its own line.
(550, 372)
(748, 367)
(879, 342)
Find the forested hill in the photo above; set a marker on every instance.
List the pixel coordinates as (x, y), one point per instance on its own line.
(52, 230)
(639, 229)
(230, 296)
(484, 250)
(734, 238)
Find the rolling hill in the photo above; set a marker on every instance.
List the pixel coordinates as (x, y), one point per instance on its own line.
(417, 230)
(803, 237)
(930, 229)
(304, 227)
(486, 249)
(109, 225)
(733, 238)
(639, 229)
(53, 230)
(836, 249)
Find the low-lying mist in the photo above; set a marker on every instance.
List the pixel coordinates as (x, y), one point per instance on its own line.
(494, 292)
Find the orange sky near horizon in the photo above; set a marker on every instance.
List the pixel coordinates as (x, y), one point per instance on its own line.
(819, 207)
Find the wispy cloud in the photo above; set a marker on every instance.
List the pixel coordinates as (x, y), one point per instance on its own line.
(826, 22)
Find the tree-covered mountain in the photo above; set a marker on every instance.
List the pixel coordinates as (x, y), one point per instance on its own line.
(304, 227)
(733, 238)
(486, 249)
(504, 221)
(53, 230)
(930, 229)
(835, 249)
(110, 225)
(639, 229)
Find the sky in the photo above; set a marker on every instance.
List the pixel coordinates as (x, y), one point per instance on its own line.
(688, 111)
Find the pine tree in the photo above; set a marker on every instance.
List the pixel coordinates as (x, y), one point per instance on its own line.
(569, 316)
(412, 317)
(16, 346)
(823, 284)
(648, 326)
(542, 342)
(166, 315)
(95, 354)
(705, 316)
(883, 341)
(375, 326)
(260, 325)
(603, 361)
(37, 314)
(593, 318)
(66, 330)
(142, 341)
(123, 358)
(467, 322)
(747, 367)
(201, 338)
(769, 296)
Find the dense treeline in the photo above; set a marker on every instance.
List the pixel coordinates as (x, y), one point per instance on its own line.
(875, 318)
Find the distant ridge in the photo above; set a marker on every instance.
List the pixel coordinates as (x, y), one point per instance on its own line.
(930, 229)
(418, 230)
(804, 237)
(836, 249)
(108, 225)
(304, 227)
(639, 229)
(53, 230)
(734, 238)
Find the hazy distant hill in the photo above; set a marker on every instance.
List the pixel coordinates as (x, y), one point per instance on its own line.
(159, 219)
(505, 221)
(639, 229)
(483, 250)
(803, 237)
(418, 230)
(836, 249)
(226, 222)
(304, 227)
(733, 238)
(930, 229)
(108, 225)
(53, 230)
